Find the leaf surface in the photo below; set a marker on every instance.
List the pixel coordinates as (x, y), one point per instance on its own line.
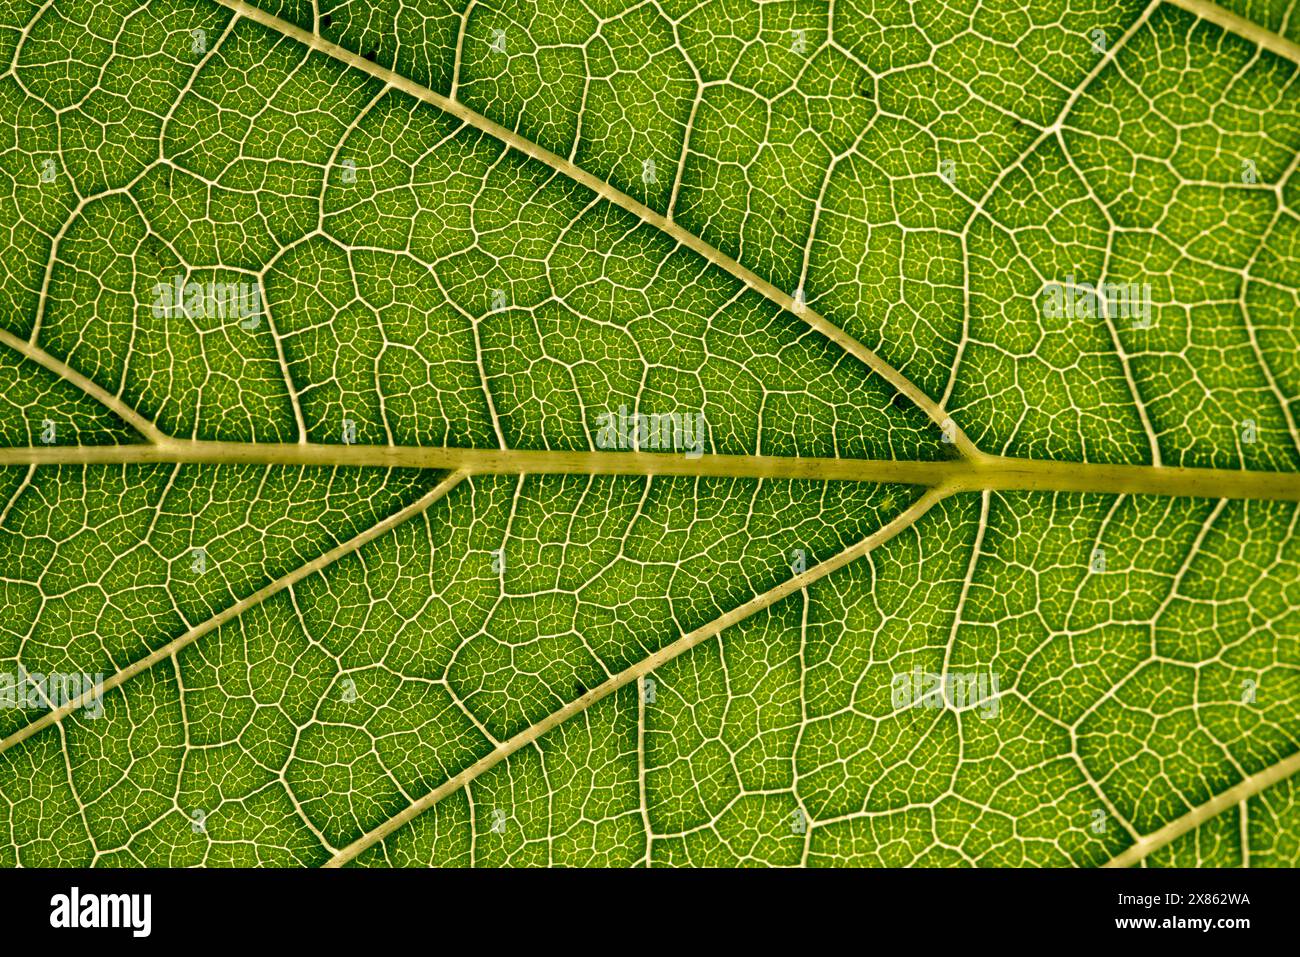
(365, 580)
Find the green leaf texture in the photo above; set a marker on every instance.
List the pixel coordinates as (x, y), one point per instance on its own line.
(341, 531)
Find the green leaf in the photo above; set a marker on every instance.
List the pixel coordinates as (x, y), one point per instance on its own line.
(329, 536)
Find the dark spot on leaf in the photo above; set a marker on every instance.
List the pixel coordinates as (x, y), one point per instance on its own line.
(949, 450)
(370, 55)
(326, 20)
(579, 690)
